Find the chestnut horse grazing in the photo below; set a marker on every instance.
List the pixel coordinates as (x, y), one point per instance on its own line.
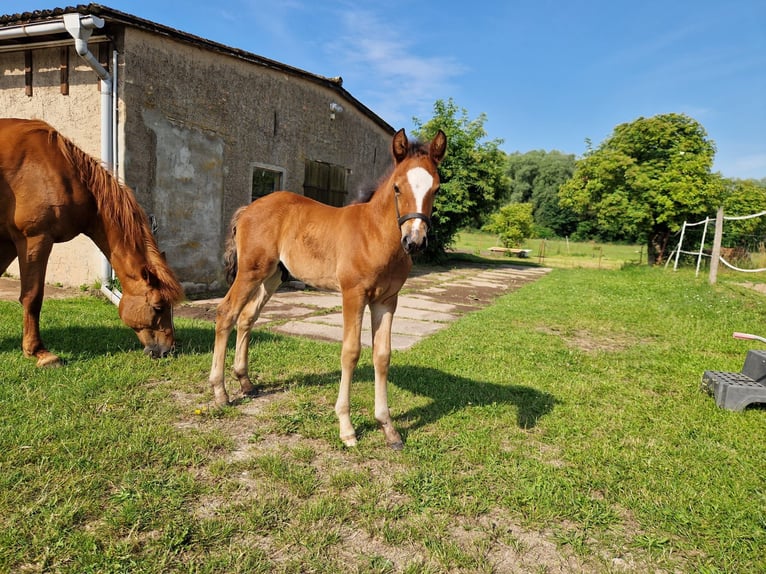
(50, 192)
(362, 250)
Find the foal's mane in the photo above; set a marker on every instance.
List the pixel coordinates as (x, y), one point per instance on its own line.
(117, 206)
(365, 194)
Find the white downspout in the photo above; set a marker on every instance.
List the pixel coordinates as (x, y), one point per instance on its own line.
(81, 33)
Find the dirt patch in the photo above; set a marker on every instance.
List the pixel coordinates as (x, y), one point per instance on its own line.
(10, 289)
(593, 342)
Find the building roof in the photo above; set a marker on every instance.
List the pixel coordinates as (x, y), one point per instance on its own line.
(112, 16)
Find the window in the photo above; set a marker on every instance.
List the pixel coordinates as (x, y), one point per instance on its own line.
(265, 180)
(325, 182)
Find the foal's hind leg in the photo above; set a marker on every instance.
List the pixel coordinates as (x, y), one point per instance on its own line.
(226, 315)
(247, 318)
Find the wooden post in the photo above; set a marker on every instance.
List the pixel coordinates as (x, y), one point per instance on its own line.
(64, 71)
(716, 255)
(28, 65)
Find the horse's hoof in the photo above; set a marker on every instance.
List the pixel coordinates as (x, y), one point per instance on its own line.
(49, 360)
(398, 445)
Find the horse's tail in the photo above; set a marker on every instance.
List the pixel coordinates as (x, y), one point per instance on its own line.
(230, 254)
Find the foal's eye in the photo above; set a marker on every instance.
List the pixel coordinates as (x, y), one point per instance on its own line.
(397, 191)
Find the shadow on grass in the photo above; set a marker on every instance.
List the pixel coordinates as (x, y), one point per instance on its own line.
(80, 341)
(448, 394)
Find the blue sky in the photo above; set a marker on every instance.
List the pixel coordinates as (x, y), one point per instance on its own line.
(546, 74)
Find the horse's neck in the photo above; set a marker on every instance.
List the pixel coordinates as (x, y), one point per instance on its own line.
(124, 259)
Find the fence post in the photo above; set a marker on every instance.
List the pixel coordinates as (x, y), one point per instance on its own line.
(678, 249)
(715, 256)
(702, 247)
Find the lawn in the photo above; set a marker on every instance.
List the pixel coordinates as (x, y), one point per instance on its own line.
(556, 252)
(562, 429)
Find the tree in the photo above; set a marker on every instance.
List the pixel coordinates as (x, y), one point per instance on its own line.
(645, 180)
(744, 197)
(536, 177)
(512, 223)
(472, 174)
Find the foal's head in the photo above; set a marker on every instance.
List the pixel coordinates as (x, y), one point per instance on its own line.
(416, 181)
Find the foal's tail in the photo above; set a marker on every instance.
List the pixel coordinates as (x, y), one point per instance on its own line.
(230, 254)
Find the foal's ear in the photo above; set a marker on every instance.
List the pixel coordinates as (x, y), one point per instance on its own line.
(438, 147)
(400, 145)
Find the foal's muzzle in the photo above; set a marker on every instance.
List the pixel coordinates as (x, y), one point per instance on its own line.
(416, 238)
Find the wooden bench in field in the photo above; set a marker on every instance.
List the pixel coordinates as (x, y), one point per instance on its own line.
(523, 253)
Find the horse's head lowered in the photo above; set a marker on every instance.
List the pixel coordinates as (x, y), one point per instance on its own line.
(415, 182)
(146, 307)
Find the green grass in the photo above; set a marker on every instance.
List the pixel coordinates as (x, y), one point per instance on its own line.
(556, 252)
(563, 428)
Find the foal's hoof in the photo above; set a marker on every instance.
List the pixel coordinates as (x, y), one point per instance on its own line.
(49, 360)
(221, 399)
(349, 441)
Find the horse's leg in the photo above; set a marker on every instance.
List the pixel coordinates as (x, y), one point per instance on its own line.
(228, 310)
(353, 311)
(33, 259)
(247, 318)
(382, 315)
(7, 255)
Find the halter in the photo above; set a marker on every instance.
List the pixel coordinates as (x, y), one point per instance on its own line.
(400, 219)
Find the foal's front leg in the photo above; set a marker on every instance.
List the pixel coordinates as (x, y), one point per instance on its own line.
(382, 315)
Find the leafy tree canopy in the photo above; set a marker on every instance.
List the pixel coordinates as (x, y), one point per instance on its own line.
(645, 180)
(744, 197)
(473, 174)
(536, 177)
(512, 223)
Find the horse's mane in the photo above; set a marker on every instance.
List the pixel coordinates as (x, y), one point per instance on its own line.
(117, 205)
(366, 193)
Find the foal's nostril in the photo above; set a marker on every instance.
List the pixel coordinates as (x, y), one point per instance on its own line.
(411, 246)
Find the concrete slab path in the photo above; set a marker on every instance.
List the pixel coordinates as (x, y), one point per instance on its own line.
(429, 301)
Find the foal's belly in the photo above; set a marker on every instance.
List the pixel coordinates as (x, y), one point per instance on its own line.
(313, 272)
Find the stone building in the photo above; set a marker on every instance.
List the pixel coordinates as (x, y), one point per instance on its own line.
(194, 127)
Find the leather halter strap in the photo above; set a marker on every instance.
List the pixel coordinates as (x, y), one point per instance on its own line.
(400, 219)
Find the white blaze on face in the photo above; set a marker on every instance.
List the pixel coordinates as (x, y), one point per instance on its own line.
(420, 182)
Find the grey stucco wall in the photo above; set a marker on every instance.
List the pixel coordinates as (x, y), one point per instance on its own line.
(219, 115)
